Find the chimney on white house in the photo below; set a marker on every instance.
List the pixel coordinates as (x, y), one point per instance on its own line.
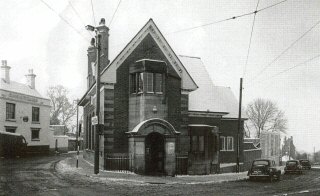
(5, 71)
(31, 79)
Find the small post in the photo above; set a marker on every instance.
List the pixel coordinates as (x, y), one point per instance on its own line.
(77, 134)
(239, 127)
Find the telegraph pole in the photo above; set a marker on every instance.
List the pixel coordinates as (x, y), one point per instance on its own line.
(239, 127)
(77, 134)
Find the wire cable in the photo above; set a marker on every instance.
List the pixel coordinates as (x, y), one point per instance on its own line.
(289, 69)
(227, 19)
(94, 18)
(78, 15)
(284, 51)
(114, 13)
(62, 18)
(248, 52)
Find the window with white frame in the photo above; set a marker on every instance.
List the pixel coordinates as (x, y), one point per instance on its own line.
(226, 143)
(149, 82)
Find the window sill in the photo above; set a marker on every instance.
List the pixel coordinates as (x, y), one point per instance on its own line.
(35, 140)
(11, 120)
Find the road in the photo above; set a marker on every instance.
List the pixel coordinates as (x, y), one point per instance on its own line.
(38, 176)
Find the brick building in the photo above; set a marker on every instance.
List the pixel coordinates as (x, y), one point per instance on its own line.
(24, 110)
(158, 109)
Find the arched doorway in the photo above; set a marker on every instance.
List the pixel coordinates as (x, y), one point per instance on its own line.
(155, 154)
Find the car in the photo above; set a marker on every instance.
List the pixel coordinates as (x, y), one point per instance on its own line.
(305, 163)
(293, 166)
(264, 169)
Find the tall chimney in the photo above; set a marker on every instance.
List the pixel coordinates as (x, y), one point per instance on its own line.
(104, 32)
(31, 79)
(5, 71)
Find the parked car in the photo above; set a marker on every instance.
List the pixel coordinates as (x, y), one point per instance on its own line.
(264, 169)
(305, 164)
(12, 144)
(293, 166)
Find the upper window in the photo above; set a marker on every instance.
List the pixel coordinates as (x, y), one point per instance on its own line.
(35, 134)
(146, 82)
(35, 114)
(10, 111)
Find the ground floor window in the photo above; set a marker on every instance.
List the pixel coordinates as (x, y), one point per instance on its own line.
(226, 143)
(35, 134)
(11, 129)
(197, 143)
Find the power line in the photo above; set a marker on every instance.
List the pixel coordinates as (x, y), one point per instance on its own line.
(227, 19)
(284, 51)
(94, 18)
(78, 15)
(63, 19)
(114, 13)
(289, 69)
(248, 52)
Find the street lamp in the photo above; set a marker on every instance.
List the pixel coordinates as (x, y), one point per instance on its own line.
(77, 132)
(97, 108)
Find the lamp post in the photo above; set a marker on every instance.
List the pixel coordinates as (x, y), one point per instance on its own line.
(77, 132)
(97, 108)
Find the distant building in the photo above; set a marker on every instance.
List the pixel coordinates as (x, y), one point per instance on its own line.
(24, 110)
(159, 109)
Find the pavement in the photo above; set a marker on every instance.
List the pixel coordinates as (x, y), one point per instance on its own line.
(85, 169)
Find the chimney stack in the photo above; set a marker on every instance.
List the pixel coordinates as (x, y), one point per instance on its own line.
(104, 32)
(5, 71)
(31, 79)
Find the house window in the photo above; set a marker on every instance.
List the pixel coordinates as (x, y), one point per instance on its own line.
(35, 134)
(35, 114)
(197, 143)
(140, 82)
(149, 82)
(158, 83)
(11, 129)
(10, 111)
(226, 143)
(133, 83)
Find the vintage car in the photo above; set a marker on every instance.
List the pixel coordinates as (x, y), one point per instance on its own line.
(264, 169)
(293, 166)
(305, 163)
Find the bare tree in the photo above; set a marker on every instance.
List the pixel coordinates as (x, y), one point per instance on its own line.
(264, 115)
(63, 110)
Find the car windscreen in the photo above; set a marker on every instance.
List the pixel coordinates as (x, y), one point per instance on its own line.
(304, 162)
(261, 162)
(291, 163)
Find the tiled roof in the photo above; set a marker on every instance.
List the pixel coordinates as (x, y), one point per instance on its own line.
(209, 97)
(19, 88)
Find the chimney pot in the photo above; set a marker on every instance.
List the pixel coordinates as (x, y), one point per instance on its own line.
(5, 71)
(102, 22)
(31, 79)
(4, 62)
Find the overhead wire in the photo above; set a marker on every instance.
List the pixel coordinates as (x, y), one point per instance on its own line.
(93, 15)
(286, 70)
(227, 19)
(78, 15)
(248, 52)
(285, 50)
(62, 18)
(114, 13)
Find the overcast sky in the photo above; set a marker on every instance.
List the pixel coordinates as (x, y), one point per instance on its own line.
(34, 36)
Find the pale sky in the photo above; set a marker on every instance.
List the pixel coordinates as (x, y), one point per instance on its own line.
(33, 36)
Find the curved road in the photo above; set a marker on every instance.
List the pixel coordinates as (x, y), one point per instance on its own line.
(38, 176)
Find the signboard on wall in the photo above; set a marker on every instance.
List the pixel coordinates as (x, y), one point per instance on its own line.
(139, 148)
(170, 148)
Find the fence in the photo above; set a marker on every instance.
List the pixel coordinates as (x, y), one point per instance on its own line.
(181, 165)
(118, 163)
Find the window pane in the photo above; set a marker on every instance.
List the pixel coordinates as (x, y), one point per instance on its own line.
(35, 134)
(222, 144)
(158, 81)
(140, 84)
(201, 143)
(10, 111)
(149, 82)
(230, 143)
(35, 114)
(194, 143)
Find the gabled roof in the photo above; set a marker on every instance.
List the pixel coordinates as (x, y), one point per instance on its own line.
(208, 97)
(19, 88)
(109, 73)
